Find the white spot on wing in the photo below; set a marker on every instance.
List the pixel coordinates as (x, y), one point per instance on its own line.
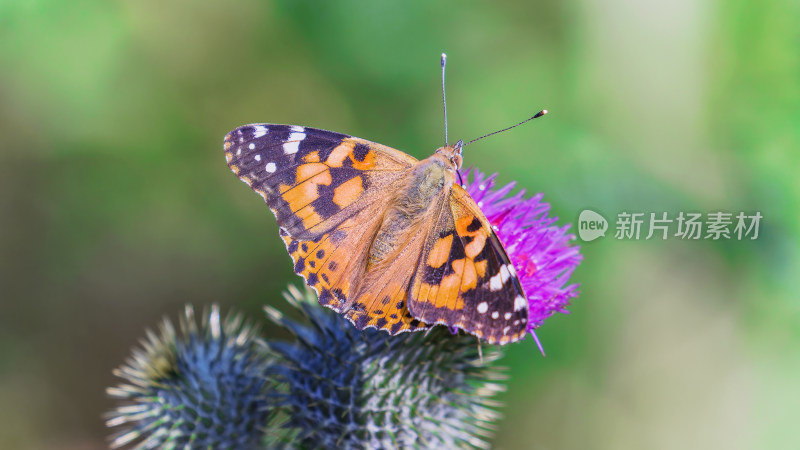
(519, 303)
(258, 157)
(297, 128)
(270, 167)
(495, 315)
(291, 148)
(505, 330)
(292, 144)
(252, 146)
(504, 274)
(507, 315)
(483, 307)
(259, 130)
(495, 284)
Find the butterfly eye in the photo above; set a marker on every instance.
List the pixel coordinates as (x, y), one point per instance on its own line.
(456, 160)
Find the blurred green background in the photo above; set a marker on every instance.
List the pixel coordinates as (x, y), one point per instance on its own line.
(117, 208)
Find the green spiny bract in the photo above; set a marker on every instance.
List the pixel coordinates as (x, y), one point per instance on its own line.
(200, 388)
(344, 388)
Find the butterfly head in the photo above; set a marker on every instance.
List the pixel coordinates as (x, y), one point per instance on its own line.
(452, 153)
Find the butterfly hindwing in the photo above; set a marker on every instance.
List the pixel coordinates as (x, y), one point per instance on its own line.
(333, 266)
(382, 297)
(329, 262)
(465, 278)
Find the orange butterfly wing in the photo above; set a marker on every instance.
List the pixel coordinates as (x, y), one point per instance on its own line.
(328, 192)
(465, 278)
(313, 180)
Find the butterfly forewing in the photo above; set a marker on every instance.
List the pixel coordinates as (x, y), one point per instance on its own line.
(311, 179)
(465, 278)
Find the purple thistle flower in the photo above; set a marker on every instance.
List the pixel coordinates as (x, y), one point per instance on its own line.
(539, 250)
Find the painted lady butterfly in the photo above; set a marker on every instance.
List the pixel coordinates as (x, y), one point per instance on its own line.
(384, 239)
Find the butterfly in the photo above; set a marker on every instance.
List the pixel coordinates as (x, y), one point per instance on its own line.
(386, 240)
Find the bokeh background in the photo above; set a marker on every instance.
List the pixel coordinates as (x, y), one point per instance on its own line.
(117, 208)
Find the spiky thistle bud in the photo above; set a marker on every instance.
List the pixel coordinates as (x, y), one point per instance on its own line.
(202, 387)
(345, 388)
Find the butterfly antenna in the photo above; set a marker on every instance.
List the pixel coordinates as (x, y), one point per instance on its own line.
(536, 116)
(444, 105)
(444, 98)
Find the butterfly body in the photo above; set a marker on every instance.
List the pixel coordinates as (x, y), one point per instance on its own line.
(386, 240)
(419, 196)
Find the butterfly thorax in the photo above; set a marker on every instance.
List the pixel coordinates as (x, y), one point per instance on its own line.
(418, 198)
